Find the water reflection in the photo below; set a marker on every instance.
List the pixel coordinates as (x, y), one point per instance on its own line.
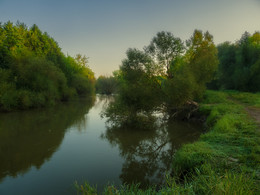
(30, 138)
(102, 101)
(148, 154)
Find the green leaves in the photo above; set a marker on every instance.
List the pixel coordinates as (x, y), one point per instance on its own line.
(239, 67)
(164, 48)
(163, 75)
(34, 72)
(106, 85)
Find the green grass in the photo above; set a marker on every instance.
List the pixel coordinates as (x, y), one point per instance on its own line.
(252, 99)
(225, 160)
(230, 150)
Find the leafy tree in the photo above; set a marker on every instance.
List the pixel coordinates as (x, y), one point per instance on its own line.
(191, 73)
(202, 60)
(239, 64)
(137, 86)
(180, 89)
(139, 83)
(165, 48)
(144, 87)
(227, 58)
(34, 72)
(254, 83)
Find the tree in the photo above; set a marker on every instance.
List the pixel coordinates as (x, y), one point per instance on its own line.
(34, 72)
(227, 58)
(144, 88)
(195, 68)
(239, 67)
(254, 83)
(247, 59)
(202, 60)
(137, 86)
(139, 83)
(165, 48)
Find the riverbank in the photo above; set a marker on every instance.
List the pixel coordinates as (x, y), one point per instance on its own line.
(225, 160)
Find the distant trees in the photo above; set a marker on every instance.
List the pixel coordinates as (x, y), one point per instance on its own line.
(239, 67)
(165, 74)
(106, 85)
(34, 72)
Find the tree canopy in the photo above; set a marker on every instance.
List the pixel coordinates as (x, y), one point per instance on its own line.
(106, 85)
(165, 74)
(239, 67)
(34, 72)
(165, 48)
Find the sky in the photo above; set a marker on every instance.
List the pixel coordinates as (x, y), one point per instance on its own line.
(104, 29)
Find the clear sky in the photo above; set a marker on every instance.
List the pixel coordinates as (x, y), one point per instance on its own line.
(104, 29)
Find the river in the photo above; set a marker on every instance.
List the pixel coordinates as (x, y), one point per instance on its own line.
(45, 151)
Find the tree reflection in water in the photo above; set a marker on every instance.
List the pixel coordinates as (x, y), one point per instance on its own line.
(148, 154)
(29, 138)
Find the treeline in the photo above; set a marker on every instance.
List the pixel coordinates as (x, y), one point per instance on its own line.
(106, 85)
(34, 72)
(166, 74)
(239, 67)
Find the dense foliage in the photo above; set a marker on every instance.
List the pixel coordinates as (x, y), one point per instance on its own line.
(166, 74)
(106, 85)
(239, 66)
(34, 72)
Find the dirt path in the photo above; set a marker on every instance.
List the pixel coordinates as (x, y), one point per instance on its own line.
(254, 113)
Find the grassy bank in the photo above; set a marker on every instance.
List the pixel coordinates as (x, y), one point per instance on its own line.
(225, 160)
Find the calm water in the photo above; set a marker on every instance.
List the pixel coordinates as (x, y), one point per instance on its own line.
(45, 151)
